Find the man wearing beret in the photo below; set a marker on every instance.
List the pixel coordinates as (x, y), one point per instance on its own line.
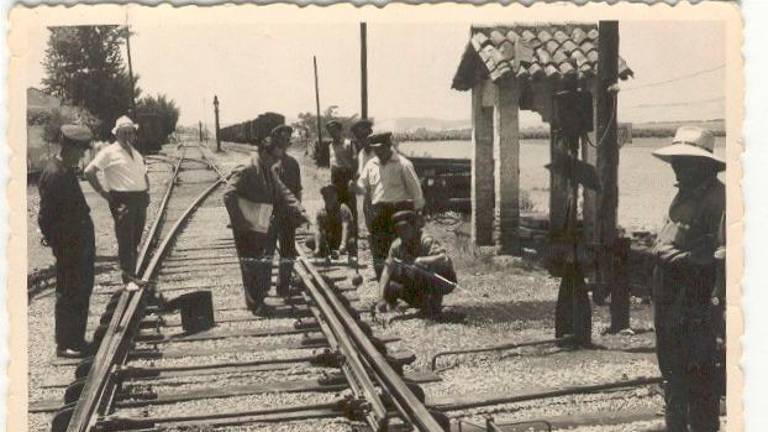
(412, 261)
(288, 171)
(343, 166)
(126, 189)
(254, 197)
(684, 283)
(391, 182)
(66, 226)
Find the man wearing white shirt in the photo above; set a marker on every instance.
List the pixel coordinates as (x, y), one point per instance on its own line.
(125, 187)
(392, 184)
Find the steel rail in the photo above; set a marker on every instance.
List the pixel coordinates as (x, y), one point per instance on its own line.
(99, 389)
(352, 367)
(415, 411)
(93, 385)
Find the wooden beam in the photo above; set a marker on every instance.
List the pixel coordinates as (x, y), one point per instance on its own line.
(608, 161)
(507, 134)
(483, 197)
(558, 187)
(363, 70)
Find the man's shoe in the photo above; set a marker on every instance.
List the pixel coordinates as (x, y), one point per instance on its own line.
(69, 353)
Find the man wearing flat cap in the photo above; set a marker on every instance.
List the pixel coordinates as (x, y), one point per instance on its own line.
(66, 225)
(287, 169)
(361, 130)
(254, 197)
(684, 285)
(126, 189)
(343, 165)
(416, 269)
(391, 182)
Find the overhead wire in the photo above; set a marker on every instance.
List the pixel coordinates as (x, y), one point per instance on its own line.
(675, 79)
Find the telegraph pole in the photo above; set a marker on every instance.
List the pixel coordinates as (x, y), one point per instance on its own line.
(216, 113)
(363, 70)
(317, 103)
(130, 70)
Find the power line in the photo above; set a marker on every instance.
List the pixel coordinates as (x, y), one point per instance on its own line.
(673, 104)
(679, 78)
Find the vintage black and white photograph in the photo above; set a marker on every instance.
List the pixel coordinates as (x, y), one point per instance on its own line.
(273, 218)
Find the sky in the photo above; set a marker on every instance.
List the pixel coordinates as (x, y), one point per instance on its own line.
(268, 67)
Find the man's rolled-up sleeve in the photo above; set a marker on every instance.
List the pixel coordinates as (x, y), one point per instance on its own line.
(412, 185)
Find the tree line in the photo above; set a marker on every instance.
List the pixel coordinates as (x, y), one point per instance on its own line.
(85, 68)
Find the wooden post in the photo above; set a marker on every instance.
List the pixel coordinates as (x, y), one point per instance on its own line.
(607, 166)
(507, 129)
(130, 70)
(200, 129)
(216, 113)
(483, 196)
(317, 103)
(558, 187)
(363, 70)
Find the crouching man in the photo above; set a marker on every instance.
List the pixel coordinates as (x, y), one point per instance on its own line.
(334, 224)
(417, 269)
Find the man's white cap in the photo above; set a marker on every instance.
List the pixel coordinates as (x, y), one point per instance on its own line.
(691, 141)
(123, 121)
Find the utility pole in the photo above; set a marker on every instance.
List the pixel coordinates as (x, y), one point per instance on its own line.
(216, 113)
(363, 70)
(317, 103)
(607, 172)
(200, 128)
(130, 71)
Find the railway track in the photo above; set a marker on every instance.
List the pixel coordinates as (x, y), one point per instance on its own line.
(149, 375)
(313, 363)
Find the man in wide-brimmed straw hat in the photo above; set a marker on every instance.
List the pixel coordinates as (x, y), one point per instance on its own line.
(66, 225)
(126, 189)
(684, 282)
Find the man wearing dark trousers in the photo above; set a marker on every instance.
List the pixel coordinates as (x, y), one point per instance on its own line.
(288, 171)
(417, 270)
(343, 166)
(391, 182)
(254, 197)
(685, 293)
(126, 190)
(66, 226)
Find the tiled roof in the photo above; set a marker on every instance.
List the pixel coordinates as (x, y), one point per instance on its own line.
(531, 52)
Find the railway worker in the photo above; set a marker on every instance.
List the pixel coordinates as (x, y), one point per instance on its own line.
(66, 226)
(412, 263)
(684, 287)
(333, 225)
(288, 171)
(391, 182)
(254, 197)
(361, 131)
(343, 166)
(126, 190)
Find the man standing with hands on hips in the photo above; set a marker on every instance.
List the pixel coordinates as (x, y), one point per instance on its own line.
(126, 189)
(391, 182)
